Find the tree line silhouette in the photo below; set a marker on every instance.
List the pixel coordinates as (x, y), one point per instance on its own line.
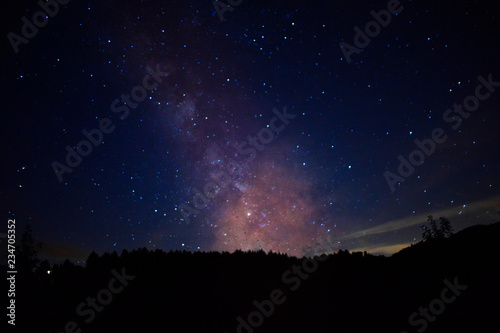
(182, 291)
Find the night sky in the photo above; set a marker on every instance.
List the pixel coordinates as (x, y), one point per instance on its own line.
(280, 127)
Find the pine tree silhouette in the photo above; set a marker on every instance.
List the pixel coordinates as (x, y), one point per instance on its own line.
(27, 251)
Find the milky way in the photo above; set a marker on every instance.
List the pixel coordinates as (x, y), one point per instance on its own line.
(275, 212)
(262, 202)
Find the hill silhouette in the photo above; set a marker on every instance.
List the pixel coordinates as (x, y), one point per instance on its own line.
(152, 291)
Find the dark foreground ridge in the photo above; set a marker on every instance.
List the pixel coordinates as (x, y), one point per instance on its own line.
(448, 285)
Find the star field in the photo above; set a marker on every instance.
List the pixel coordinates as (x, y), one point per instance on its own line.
(207, 123)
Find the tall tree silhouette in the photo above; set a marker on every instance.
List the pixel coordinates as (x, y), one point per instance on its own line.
(27, 251)
(445, 227)
(436, 233)
(426, 234)
(433, 231)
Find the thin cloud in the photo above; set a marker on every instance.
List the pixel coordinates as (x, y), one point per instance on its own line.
(384, 250)
(492, 203)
